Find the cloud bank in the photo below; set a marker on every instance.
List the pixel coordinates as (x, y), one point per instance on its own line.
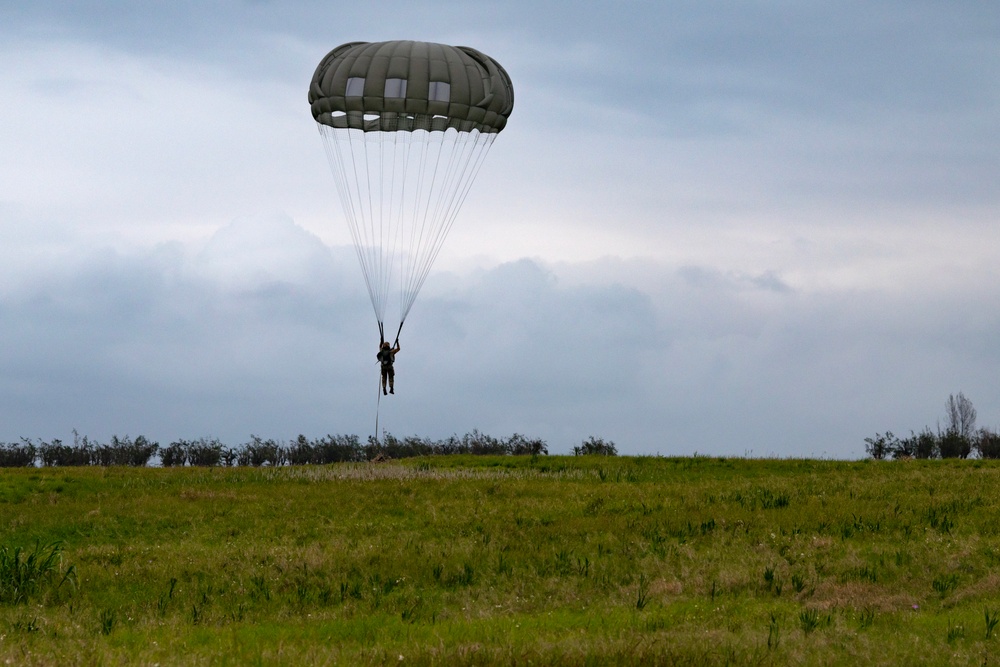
(265, 330)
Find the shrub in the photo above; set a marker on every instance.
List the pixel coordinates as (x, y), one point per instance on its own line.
(988, 444)
(338, 448)
(203, 452)
(393, 448)
(518, 445)
(17, 455)
(927, 446)
(953, 445)
(923, 445)
(302, 452)
(174, 454)
(597, 446)
(55, 453)
(881, 446)
(259, 452)
(124, 452)
(482, 444)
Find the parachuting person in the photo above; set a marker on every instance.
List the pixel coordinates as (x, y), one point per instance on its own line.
(386, 357)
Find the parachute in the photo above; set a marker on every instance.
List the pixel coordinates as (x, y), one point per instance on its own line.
(406, 126)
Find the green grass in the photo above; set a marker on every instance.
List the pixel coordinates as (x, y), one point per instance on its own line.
(512, 560)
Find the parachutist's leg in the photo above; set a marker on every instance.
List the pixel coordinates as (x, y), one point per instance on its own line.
(383, 382)
(392, 381)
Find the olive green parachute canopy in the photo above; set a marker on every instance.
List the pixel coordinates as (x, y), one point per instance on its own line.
(406, 85)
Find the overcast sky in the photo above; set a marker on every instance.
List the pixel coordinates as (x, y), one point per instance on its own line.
(757, 228)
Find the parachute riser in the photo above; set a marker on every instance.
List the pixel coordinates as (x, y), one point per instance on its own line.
(381, 334)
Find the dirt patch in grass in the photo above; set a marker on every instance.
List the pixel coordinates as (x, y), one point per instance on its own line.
(830, 595)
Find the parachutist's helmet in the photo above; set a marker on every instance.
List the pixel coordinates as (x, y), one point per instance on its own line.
(385, 345)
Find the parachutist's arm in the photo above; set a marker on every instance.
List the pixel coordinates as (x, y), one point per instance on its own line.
(396, 349)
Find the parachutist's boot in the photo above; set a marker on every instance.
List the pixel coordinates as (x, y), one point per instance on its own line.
(391, 390)
(383, 390)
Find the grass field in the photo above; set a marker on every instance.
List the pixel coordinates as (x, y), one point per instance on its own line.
(504, 560)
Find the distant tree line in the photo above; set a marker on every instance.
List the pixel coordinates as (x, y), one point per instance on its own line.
(141, 451)
(958, 439)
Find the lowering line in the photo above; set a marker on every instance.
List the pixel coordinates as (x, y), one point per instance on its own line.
(378, 404)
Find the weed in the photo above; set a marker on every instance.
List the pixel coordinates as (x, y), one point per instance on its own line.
(303, 593)
(24, 574)
(955, 632)
(945, 584)
(867, 617)
(25, 626)
(771, 500)
(762, 497)
(409, 614)
(773, 633)
(108, 619)
(593, 508)
(772, 581)
(992, 618)
(563, 565)
(164, 600)
(867, 573)
(809, 620)
(261, 589)
(938, 519)
(467, 577)
(504, 568)
(798, 582)
(642, 595)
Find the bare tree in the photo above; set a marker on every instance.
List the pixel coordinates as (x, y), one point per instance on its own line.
(961, 415)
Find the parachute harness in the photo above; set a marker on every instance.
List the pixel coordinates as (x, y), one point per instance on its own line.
(379, 386)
